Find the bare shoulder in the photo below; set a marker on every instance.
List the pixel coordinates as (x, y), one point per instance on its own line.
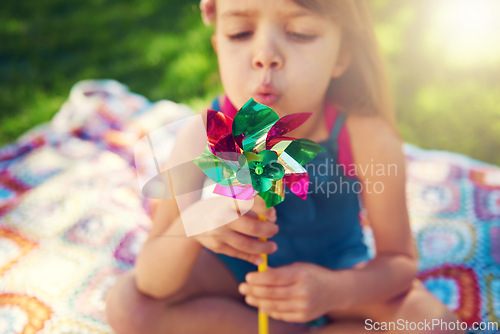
(373, 141)
(191, 139)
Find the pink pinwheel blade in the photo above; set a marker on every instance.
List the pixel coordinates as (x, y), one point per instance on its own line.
(244, 192)
(284, 125)
(297, 183)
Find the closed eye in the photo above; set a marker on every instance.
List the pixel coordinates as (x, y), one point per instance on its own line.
(241, 35)
(301, 37)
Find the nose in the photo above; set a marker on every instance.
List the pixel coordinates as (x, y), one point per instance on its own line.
(267, 54)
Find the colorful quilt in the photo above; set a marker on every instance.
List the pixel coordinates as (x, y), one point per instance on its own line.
(72, 216)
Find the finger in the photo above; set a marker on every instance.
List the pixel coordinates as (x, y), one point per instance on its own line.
(259, 208)
(287, 316)
(254, 227)
(228, 250)
(259, 205)
(274, 305)
(285, 310)
(250, 245)
(269, 292)
(284, 275)
(268, 215)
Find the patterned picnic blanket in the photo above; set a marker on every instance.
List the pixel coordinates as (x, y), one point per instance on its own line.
(72, 216)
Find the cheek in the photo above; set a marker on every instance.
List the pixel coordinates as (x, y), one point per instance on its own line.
(308, 85)
(318, 56)
(313, 72)
(234, 77)
(228, 62)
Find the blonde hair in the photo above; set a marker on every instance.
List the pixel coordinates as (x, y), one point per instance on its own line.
(364, 87)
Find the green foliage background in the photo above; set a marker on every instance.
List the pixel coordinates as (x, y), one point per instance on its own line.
(162, 50)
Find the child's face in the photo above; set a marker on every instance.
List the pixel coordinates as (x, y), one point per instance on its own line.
(278, 53)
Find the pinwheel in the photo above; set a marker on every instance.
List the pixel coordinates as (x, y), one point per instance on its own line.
(250, 155)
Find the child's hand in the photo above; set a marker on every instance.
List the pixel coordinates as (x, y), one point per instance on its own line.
(235, 238)
(292, 293)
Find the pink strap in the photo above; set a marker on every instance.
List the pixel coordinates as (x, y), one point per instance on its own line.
(343, 140)
(228, 108)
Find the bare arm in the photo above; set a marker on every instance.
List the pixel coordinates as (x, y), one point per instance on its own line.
(394, 267)
(168, 256)
(166, 259)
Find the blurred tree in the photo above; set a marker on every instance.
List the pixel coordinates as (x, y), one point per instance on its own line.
(159, 49)
(442, 103)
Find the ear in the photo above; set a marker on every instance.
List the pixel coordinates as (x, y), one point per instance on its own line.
(343, 62)
(207, 8)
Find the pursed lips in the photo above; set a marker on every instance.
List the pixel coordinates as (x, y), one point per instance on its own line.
(266, 94)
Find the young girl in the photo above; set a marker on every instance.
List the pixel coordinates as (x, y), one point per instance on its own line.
(315, 56)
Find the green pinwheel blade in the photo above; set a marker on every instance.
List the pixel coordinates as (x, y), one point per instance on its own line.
(261, 184)
(303, 150)
(261, 169)
(215, 168)
(271, 198)
(268, 157)
(275, 195)
(274, 171)
(253, 120)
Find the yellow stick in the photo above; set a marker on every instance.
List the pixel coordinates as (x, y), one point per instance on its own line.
(263, 319)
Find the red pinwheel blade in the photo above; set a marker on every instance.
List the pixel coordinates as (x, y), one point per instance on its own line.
(220, 138)
(283, 126)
